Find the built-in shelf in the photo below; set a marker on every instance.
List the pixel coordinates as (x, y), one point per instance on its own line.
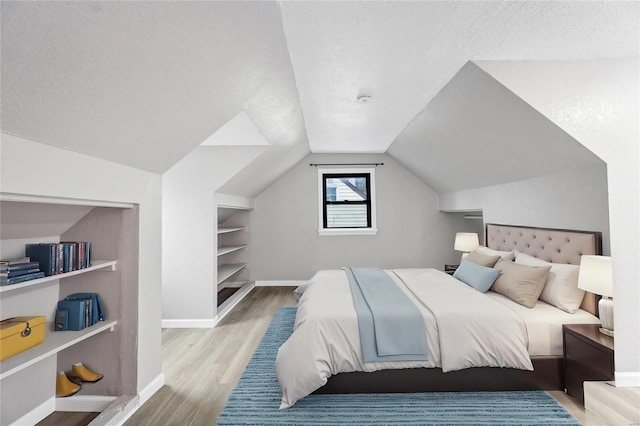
(54, 342)
(228, 269)
(227, 230)
(229, 249)
(95, 265)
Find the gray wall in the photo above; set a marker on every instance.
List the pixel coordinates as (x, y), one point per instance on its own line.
(576, 199)
(285, 244)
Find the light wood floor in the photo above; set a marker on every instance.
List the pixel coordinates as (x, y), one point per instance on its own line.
(202, 366)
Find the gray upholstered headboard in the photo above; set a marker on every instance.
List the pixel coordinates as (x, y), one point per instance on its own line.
(552, 245)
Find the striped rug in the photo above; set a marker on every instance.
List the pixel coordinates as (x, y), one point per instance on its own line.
(256, 398)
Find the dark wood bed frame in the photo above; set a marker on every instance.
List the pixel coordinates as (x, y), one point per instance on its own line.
(548, 370)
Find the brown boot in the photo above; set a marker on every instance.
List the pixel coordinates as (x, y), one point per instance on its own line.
(64, 386)
(82, 373)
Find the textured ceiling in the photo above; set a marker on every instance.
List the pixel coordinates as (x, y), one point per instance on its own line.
(403, 53)
(145, 83)
(477, 133)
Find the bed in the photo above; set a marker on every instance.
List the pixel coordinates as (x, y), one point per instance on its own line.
(323, 354)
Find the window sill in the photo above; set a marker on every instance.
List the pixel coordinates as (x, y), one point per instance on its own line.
(348, 231)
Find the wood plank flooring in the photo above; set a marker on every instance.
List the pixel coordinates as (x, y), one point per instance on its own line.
(66, 418)
(202, 366)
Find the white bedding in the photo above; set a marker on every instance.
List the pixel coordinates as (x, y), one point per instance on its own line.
(544, 324)
(326, 340)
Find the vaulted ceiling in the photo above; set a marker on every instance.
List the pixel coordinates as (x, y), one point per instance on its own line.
(144, 83)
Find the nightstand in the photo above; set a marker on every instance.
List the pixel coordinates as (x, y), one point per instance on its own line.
(588, 356)
(450, 269)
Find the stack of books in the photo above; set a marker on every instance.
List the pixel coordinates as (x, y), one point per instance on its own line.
(19, 270)
(58, 258)
(78, 311)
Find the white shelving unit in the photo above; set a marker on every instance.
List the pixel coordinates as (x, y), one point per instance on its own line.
(229, 249)
(225, 271)
(54, 342)
(28, 379)
(96, 265)
(232, 252)
(227, 230)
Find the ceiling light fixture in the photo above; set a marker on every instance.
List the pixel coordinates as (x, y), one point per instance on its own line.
(364, 99)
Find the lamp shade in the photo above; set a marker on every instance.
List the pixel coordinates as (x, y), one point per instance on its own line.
(595, 275)
(466, 241)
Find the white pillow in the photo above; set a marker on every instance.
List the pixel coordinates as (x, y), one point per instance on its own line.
(561, 289)
(508, 255)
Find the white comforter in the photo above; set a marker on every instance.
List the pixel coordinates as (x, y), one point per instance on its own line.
(464, 329)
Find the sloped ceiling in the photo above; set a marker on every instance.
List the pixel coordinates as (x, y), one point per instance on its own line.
(144, 83)
(33, 220)
(477, 133)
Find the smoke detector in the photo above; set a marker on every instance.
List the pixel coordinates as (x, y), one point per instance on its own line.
(364, 99)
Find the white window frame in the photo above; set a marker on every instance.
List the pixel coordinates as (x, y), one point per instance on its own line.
(373, 230)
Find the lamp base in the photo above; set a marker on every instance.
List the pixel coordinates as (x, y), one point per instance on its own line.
(606, 332)
(605, 311)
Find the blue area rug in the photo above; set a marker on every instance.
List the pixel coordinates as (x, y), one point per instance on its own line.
(256, 398)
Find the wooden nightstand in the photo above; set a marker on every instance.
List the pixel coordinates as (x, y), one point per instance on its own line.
(588, 356)
(450, 269)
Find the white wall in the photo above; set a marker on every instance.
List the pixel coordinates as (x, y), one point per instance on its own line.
(189, 232)
(597, 102)
(36, 169)
(575, 199)
(285, 244)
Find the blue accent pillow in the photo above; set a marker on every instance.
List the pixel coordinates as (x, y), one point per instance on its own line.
(477, 276)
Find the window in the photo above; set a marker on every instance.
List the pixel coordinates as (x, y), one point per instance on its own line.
(346, 201)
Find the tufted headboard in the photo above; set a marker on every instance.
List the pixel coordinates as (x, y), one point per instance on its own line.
(551, 245)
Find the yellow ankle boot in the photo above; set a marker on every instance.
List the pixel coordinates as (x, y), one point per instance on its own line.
(64, 386)
(82, 373)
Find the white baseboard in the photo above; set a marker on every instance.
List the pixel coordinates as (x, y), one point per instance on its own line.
(280, 283)
(210, 323)
(189, 323)
(153, 387)
(118, 412)
(37, 414)
(84, 403)
(123, 408)
(627, 379)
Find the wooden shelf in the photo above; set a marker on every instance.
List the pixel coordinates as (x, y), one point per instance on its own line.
(54, 342)
(228, 269)
(229, 249)
(96, 265)
(227, 230)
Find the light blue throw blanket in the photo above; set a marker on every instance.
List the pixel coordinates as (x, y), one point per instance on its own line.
(391, 326)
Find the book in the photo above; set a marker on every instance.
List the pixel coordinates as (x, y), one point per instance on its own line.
(67, 250)
(61, 322)
(45, 255)
(79, 254)
(95, 311)
(18, 266)
(21, 278)
(82, 258)
(59, 259)
(18, 272)
(76, 313)
(14, 261)
(87, 261)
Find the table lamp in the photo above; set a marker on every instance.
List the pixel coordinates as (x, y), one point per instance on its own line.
(466, 242)
(595, 276)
